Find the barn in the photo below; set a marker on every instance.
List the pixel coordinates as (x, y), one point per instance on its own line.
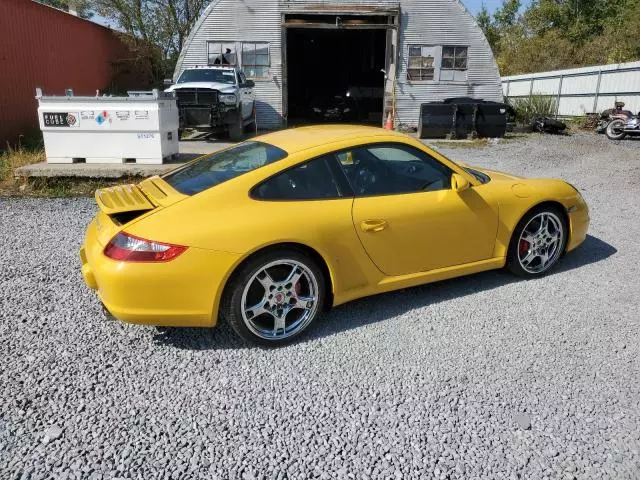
(382, 56)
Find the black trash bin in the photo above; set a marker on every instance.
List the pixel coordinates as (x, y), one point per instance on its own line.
(461, 117)
(437, 120)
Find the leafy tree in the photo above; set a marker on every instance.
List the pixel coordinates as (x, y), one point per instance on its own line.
(80, 6)
(162, 23)
(554, 34)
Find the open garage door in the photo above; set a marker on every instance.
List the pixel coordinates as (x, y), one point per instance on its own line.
(335, 67)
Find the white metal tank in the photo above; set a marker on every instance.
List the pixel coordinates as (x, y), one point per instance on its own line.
(141, 129)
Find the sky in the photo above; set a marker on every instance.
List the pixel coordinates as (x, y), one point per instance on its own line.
(473, 6)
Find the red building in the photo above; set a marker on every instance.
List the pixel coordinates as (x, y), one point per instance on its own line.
(44, 47)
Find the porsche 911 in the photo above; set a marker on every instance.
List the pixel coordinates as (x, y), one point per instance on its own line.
(269, 233)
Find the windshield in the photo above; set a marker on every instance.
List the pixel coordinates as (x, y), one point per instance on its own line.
(208, 75)
(219, 167)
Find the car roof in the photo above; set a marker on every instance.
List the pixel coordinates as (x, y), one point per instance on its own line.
(297, 139)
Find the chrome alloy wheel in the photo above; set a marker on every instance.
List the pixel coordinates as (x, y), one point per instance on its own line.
(540, 243)
(280, 299)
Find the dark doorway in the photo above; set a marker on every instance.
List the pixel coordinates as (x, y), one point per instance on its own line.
(334, 75)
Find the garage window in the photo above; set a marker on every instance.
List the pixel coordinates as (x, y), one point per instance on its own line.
(421, 64)
(255, 60)
(454, 58)
(453, 67)
(221, 53)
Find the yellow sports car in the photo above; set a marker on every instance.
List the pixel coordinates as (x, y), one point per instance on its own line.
(268, 233)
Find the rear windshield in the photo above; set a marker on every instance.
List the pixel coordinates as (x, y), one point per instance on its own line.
(219, 167)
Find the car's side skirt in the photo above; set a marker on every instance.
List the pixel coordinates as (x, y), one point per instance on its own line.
(388, 284)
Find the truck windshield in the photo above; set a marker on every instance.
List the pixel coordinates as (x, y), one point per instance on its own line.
(219, 167)
(208, 75)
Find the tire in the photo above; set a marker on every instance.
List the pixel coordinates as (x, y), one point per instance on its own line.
(258, 307)
(534, 252)
(615, 130)
(236, 128)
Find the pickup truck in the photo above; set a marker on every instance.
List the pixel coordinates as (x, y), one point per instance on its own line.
(214, 98)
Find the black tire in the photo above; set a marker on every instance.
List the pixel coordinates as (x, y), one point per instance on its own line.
(236, 128)
(515, 260)
(615, 130)
(232, 305)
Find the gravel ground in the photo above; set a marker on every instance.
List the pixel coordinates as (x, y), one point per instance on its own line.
(480, 377)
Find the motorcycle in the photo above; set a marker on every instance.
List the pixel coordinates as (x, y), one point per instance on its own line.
(611, 114)
(620, 128)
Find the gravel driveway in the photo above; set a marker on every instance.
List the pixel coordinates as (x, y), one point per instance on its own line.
(481, 377)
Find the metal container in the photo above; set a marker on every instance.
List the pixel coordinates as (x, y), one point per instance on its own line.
(139, 129)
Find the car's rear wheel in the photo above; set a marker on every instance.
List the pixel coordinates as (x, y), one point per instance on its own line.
(274, 297)
(538, 242)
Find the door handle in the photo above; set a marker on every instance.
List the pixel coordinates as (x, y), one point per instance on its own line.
(373, 225)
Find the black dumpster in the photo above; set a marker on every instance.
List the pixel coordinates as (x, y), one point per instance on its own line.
(462, 117)
(437, 120)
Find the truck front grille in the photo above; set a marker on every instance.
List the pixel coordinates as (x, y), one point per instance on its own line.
(196, 96)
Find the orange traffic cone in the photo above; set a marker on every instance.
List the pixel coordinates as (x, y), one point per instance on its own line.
(389, 123)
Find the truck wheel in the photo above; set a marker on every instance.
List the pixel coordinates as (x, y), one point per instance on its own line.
(236, 128)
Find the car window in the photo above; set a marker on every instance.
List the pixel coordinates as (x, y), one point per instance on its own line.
(393, 168)
(219, 167)
(310, 181)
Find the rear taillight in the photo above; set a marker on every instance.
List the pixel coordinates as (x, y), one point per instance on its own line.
(127, 248)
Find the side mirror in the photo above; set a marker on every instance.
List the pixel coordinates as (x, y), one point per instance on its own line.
(167, 82)
(249, 84)
(459, 184)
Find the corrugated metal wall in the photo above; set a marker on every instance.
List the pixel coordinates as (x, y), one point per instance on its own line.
(44, 47)
(581, 90)
(427, 22)
(235, 21)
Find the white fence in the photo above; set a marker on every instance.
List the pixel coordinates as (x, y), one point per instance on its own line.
(579, 91)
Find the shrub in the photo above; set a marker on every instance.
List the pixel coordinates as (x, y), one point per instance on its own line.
(527, 108)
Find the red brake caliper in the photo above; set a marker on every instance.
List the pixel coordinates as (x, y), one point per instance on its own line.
(524, 246)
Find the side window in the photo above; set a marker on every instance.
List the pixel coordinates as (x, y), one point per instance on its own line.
(310, 181)
(256, 59)
(221, 53)
(241, 78)
(384, 169)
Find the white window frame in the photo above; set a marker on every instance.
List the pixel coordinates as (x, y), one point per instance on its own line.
(455, 57)
(423, 49)
(223, 46)
(246, 67)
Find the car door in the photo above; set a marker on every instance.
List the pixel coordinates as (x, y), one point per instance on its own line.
(246, 95)
(406, 214)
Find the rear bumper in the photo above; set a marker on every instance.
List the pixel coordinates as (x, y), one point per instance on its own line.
(183, 292)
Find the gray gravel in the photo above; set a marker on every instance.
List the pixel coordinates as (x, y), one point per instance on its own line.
(480, 377)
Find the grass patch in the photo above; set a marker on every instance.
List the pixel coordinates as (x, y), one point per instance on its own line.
(527, 108)
(70, 187)
(14, 158)
(478, 142)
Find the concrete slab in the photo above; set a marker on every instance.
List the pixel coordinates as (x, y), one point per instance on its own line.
(188, 151)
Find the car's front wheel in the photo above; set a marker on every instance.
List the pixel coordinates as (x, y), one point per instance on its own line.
(274, 297)
(538, 242)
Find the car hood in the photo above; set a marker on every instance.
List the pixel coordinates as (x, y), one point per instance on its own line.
(221, 87)
(493, 174)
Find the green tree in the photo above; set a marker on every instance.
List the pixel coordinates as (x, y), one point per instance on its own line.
(163, 23)
(490, 31)
(81, 7)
